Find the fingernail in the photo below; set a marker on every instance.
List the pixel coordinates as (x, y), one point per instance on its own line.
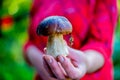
(48, 59)
(61, 58)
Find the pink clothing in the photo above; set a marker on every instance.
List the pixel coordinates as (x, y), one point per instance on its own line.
(93, 24)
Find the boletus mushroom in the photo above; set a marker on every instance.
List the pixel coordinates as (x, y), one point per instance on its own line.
(55, 27)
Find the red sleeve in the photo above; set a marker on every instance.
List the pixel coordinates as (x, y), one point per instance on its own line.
(102, 25)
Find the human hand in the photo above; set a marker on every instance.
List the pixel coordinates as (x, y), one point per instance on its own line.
(35, 57)
(73, 66)
(55, 67)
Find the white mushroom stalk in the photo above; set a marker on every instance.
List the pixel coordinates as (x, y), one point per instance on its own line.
(56, 45)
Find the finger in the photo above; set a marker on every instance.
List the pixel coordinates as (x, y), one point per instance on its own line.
(71, 71)
(80, 68)
(74, 54)
(65, 74)
(47, 67)
(45, 49)
(54, 67)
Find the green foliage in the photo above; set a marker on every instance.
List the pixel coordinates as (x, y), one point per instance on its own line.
(116, 55)
(12, 64)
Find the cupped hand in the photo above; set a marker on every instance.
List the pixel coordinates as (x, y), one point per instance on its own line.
(73, 66)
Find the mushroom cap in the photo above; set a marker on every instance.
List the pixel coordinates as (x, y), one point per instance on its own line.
(54, 25)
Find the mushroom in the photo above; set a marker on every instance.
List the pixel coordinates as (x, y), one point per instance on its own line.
(55, 27)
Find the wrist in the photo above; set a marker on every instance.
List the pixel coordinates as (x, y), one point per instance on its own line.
(94, 60)
(84, 69)
(83, 66)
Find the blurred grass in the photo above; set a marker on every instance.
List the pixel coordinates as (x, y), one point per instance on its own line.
(116, 53)
(13, 29)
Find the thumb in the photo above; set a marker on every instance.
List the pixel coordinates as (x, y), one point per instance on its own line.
(45, 50)
(74, 53)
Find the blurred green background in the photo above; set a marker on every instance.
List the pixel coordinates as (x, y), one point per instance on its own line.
(14, 21)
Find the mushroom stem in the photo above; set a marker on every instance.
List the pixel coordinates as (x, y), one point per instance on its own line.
(56, 45)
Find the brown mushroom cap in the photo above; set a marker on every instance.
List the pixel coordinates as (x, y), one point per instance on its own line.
(54, 25)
